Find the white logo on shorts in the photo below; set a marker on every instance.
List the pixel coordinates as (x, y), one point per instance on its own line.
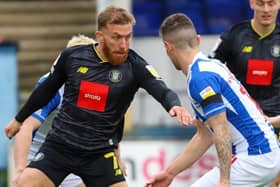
(38, 157)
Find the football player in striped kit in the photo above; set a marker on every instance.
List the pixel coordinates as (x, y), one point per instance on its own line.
(247, 148)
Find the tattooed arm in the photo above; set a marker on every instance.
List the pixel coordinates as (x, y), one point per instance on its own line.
(222, 141)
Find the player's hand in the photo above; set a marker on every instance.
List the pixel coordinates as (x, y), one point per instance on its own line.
(183, 116)
(122, 166)
(224, 184)
(16, 178)
(162, 179)
(121, 163)
(276, 181)
(275, 121)
(12, 128)
(273, 185)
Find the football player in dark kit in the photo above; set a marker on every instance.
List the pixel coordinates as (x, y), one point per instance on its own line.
(251, 50)
(100, 83)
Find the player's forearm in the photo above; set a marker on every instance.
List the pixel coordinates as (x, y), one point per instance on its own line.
(222, 141)
(197, 146)
(118, 152)
(162, 94)
(21, 147)
(23, 142)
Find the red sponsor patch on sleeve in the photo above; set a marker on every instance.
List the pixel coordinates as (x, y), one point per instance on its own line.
(93, 96)
(259, 72)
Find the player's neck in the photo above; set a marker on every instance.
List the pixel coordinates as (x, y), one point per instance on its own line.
(187, 58)
(99, 50)
(261, 29)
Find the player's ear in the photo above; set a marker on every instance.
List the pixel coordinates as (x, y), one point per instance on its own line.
(99, 36)
(251, 3)
(168, 46)
(198, 39)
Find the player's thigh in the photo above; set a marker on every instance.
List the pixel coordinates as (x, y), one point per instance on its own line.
(120, 184)
(32, 177)
(81, 185)
(54, 162)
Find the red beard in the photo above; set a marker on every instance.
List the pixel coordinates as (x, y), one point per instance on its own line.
(109, 54)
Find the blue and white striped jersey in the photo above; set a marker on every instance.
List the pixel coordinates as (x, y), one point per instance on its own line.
(251, 133)
(43, 115)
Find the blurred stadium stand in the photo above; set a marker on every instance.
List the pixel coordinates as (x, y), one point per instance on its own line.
(42, 29)
(209, 16)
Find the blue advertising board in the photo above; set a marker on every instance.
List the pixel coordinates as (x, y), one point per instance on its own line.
(8, 94)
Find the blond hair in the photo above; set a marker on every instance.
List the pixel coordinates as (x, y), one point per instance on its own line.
(80, 40)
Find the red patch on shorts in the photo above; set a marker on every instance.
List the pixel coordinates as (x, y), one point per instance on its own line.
(259, 72)
(93, 96)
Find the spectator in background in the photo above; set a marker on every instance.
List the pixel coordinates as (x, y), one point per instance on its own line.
(100, 83)
(251, 50)
(227, 117)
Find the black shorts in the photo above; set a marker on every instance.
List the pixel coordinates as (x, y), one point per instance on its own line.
(96, 170)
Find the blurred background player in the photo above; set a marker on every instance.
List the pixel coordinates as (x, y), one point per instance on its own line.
(251, 50)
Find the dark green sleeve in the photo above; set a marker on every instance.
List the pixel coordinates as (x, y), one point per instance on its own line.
(154, 85)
